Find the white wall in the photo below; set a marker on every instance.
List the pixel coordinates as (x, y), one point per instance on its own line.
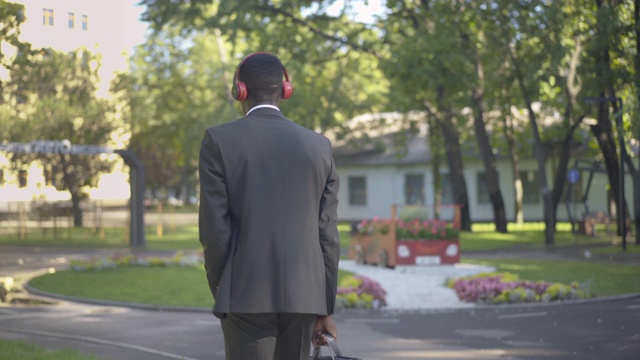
(113, 30)
(385, 187)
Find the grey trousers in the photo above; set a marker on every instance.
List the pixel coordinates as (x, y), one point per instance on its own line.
(267, 336)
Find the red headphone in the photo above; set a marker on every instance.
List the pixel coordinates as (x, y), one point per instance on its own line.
(239, 89)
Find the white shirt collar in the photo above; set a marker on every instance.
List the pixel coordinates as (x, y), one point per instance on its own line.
(261, 106)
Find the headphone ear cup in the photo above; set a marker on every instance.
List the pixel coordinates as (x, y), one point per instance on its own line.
(240, 91)
(287, 90)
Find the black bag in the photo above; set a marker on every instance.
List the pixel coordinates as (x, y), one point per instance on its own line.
(336, 353)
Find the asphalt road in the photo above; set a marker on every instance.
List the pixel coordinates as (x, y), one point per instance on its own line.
(601, 330)
(590, 330)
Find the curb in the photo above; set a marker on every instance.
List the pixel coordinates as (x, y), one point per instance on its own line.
(602, 299)
(139, 306)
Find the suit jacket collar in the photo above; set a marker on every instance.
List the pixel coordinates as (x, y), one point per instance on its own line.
(265, 112)
(259, 106)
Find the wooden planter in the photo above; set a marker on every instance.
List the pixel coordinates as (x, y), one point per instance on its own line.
(382, 250)
(427, 252)
(375, 249)
(377, 244)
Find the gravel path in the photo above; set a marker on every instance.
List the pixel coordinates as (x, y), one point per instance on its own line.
(417, 287)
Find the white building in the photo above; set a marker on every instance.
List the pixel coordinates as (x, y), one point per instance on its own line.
(110, 28)
(378, 173)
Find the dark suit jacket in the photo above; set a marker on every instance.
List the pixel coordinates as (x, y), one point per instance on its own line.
(268, 200)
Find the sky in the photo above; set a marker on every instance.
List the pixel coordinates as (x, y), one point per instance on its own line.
(361, 11)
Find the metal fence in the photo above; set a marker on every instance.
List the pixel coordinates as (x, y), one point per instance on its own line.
(56, 217)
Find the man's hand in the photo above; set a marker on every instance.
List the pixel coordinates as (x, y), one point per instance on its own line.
(324, 324)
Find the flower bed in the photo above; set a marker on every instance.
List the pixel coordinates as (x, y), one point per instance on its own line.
(433, 229)
(359, 292)
(100, 263)
(507, 288)
(411, 230)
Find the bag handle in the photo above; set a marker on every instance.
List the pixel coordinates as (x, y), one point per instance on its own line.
(333, 345)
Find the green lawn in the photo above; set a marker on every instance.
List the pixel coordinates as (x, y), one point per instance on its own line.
(528, 236)
(605, 278)
(11, 349)
(521, 236)
(171, 286)
(483, 237)
(168, 286)
(174, 238)
(632, 248)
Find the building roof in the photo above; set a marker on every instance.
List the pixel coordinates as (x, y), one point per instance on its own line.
(383, 150)
(392, 139)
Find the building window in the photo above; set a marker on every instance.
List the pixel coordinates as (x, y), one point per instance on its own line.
(530, 187)
(482, 189)
(85, 22)
(357, 190)
(447, 190)
(47, 17)
(72, 20)
(414, 189)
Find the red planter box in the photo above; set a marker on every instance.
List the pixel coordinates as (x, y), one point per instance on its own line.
(427, 252)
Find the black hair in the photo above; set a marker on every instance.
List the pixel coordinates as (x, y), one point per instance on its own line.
(262, 74)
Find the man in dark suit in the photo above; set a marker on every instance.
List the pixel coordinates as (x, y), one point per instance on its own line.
(267, 222)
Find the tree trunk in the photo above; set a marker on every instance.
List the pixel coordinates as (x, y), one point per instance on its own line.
(71, 184)
(636, 202)
(549, 212)
(603, 133)
(435, 143)
(513, 157)
(456, 168)
(488, 158)
(603, 130)
(563, 166)
(636, 176)
(76, 210)
(486, 151)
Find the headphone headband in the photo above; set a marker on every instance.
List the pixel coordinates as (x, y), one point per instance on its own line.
(240, 91)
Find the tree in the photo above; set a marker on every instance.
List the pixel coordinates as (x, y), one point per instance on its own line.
(172, 92)
(331, 83)
(12, 16)
(543, 52)
(471, 31)
(443, 56)
(612, 64)
(430, 70)
(53, 94)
